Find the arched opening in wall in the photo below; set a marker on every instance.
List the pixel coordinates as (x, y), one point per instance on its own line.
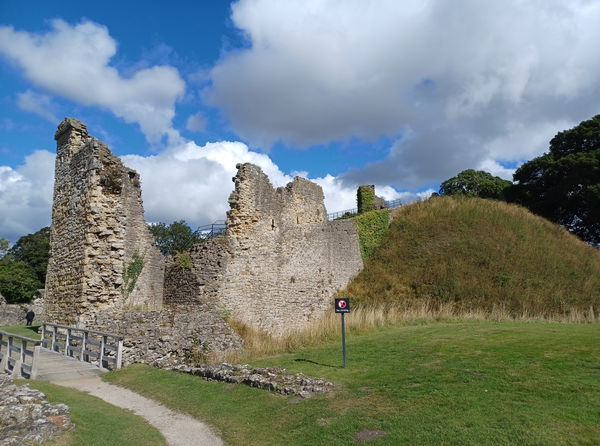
(272, 224)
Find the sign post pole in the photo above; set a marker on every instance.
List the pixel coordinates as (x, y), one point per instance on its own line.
(343, 306)
(344, 339)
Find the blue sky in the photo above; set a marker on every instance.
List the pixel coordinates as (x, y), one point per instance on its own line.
(402, 95)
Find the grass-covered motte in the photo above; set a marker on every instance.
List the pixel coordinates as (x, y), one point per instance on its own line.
(447, 383)
(98, 423)
(480, 254)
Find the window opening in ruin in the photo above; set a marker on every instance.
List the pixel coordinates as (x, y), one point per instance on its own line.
(272, 224)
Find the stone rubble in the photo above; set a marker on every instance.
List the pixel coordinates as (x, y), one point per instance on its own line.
(273, 379)
(26, 416)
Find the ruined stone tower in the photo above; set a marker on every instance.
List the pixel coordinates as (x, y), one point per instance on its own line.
(102, 254)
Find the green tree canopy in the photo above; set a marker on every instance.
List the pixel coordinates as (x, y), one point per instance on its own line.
(18, 281)
(475, 183)
(173, 238)
(4, 244)
(563, 185)
(34, 249)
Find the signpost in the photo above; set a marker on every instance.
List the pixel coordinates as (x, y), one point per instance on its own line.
(343, 306)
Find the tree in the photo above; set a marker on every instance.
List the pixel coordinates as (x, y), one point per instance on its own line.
(4, 244)
(18, 282)
(174, 238)
(475, 183)
(563, 185)
(34, 249)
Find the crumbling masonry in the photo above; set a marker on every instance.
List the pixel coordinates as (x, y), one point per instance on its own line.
(276, 267)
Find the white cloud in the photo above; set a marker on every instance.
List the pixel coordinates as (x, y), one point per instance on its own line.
(193, 182)
(186, 181)
(196, 123)
(472, 81)
(74, 62)
(26, 195)
(40, 104)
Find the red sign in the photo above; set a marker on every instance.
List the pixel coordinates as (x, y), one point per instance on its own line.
(342, 305)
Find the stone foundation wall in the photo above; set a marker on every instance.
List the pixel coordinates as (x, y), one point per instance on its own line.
(14, 314)
(97, 228)
(171, 336)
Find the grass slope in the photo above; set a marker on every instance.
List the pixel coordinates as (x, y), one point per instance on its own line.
(453, 384)
(23, 330)
(98, 423)
(480, 254)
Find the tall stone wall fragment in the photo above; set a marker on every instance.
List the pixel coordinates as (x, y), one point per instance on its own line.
(286, 259)
(97, 232)
(280, 261)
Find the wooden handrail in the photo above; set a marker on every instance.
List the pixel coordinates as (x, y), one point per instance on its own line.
(83, 347)
(18, 366)
(100, 333)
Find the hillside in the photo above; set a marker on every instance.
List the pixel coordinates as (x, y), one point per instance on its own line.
(480, 254)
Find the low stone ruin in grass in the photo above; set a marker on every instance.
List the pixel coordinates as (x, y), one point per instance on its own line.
(26, 416)
(273, 379)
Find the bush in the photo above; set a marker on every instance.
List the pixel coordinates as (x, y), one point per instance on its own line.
(18, 282)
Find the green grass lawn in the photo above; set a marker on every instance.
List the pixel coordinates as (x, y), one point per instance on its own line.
(23, 330)
(479, 383)
(98, 423)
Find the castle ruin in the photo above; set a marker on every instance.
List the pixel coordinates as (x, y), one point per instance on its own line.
(276, 267)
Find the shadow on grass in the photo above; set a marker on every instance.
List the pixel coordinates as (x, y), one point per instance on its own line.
(34, 328)
(318, 363)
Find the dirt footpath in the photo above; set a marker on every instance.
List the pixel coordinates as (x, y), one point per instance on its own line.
(178, 429)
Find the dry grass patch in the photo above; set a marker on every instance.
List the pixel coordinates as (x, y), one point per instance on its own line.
(258, 344)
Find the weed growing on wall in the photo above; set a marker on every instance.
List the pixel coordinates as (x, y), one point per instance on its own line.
(183, 260)
(371, 227)
(132, 272)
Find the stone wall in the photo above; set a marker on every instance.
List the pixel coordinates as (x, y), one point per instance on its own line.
(170, 336)
(12, 314)
(276, 268)
(287, 259)
(201, 281)
(97, 228)
(281, 260)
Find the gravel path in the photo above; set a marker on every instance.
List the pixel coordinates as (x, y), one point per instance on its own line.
(178, 429)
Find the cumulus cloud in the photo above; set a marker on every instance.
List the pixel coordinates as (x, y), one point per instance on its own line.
(74, 62)
(26, 195)
(193, 182)
(462, 84)
(37, 103)
(186, 181)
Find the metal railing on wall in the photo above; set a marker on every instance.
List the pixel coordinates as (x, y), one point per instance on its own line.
(348, 213)
(220, 226)
(208, 231)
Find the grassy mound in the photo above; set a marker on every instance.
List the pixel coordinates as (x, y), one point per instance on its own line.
(480, 254)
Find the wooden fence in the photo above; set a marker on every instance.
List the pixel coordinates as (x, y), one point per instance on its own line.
(98, 348)
(18, 355)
